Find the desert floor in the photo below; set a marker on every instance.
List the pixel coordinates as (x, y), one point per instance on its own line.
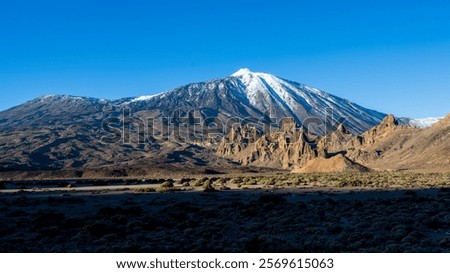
(259, 217)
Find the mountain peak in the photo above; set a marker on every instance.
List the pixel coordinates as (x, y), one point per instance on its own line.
(241, 72)
(389, 121)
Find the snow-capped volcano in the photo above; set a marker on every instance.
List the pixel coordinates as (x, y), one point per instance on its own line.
(266, 91)
(262, 96)
(242, 72)
(245, 96)
(55, 132)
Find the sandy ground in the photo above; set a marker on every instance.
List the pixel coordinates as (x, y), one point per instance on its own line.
(115, 218)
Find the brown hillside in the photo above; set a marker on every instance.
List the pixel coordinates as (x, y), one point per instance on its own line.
(338, 163)
(388, 146)
(425, 150)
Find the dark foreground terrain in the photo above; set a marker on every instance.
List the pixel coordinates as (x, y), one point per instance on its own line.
(252, 220)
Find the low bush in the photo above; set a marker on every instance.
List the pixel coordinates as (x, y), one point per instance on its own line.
(167, 184)
(199, 182)
(144, 190)
(208, 187)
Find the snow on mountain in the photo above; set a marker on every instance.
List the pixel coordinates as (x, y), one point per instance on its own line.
(424, 122)
(286, 93)
(60, 97)
(247, 94)
(68, 99)
(52, 110)
(266, 91)
(252, 97)
(144, 98)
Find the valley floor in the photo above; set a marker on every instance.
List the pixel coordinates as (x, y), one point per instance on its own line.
(258, 217)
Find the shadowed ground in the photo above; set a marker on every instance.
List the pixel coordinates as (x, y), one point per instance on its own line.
(227, 221)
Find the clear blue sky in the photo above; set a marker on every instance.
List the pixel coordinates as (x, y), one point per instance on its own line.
(392, 56)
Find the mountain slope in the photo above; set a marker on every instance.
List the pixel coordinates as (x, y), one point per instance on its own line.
(258, 98)
(263, 98)
(66, 132)
(54, 110)
(336, 164)
(426, 150)
(387, 146)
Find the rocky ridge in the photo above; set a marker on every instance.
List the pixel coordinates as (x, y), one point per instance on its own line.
(290, 146)
(383, 147)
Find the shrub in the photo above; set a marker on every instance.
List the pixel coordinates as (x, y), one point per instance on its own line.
(237, 180)
(167, 187)
(167, 184)
(199, 182)
(161, 189)
(252, 182)
(350, 184)
(214, 179)
(221, 182)
(183, 181)
(268, 181)
(138, 190)
(207, 187)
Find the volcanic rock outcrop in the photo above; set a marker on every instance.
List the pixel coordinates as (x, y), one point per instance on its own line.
(387, 146)
(284, 148)
(337, 163)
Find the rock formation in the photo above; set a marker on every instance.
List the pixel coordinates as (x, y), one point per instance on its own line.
(337, 163)
(282, 148)
(384, 147)
(336, 142)
(237, 140)
(418, 149)
(386, 127)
